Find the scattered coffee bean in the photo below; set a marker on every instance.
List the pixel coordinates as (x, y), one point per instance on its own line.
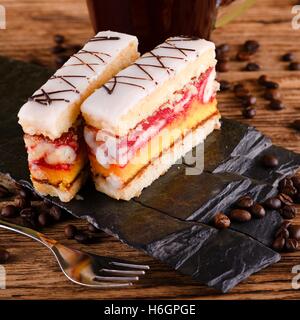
(288, 57)
(92, 228)
(294, 66)
(282, 233)
(56, 213)
(272, 94)
(4, 255)
(262, 80)
(44, 219)
(271, 85)
(296, 125)
(285, 199)
(225, 85)
(4, 192)
(70, 231)
(59, 39)
(296, 182)
(245, 202)
(221, 221)
(25, 193)
(286, 182)
(243, 56)
(222, 66)
(238, 87)
(21, 202)
(223, 47)
(249, 112)
(251, 46)
(223, 57)
(288, 212)
(61, 60)
(276, 105)
(294, 232)
(278, 244)
(9, 211)
(291, 245)
(273, 203)
(258, 211)
(240, 215)
(290, 191)
(269, 161)
(58, 49)
(248, 101)
(252, 66)
(242, 93)
(28, 214)
(286, 224)
(82, 237)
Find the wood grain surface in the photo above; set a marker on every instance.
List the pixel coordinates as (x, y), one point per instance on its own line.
(32, 272)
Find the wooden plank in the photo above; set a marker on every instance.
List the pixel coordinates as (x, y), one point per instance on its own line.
(32, 272)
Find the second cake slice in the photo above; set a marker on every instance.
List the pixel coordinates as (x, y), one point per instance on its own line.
(150, 114)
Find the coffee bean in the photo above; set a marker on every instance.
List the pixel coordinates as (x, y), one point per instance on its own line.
(56, 213)
(288, 57)
(243, 56)
(248, 101)
(291, 245)
(262, 80)
(288, 212)
(82, 237)
(273, 203)
(271, 85)
(223, 57)
(4, 192)
(92, 228)
(294, 231)
(278, 244)
(240, 215)
(296, 125)
(285, 199)
(58, 49)
(25, 193)
(21, 202)
(225, 85)
(252, 66)
(222, 67)
(294, 66)
(296, 181)
(286, 182)
(251, 46)
(221, 221)
(245, 202)
(59, 39)
(282, 233)
(276, 105)
(9, 211)
(286, 224)
(28, 213)
(61, 60)
(223, 47)
(258, 211)
(44, 219)
(272, 94)
(238, 87)
(290, 191)
(4, 255)
(70, 231)
(269, 161)
(249, 113)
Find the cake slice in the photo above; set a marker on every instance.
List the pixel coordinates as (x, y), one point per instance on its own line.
(150, 114)
(51, 118)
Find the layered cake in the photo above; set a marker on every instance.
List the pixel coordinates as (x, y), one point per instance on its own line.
(51, 118)
(150, 114)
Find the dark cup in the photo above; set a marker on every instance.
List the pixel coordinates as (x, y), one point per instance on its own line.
(153, 21)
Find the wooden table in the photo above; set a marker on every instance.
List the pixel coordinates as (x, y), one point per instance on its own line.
(32, 272)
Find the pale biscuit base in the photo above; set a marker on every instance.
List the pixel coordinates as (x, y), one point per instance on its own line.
(46, 189)
(159, 166)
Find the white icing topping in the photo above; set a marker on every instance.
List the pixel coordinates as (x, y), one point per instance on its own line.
(124, 91)
(47, 109)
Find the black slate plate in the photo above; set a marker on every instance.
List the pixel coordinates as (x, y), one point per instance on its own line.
(170, 221)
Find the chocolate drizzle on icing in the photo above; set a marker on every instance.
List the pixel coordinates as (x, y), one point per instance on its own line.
(104, 39)
(45, 98)
(111, 85)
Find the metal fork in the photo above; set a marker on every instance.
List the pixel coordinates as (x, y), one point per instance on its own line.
(85, 268)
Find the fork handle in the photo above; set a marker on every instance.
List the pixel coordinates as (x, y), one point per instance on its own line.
(28, 232)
